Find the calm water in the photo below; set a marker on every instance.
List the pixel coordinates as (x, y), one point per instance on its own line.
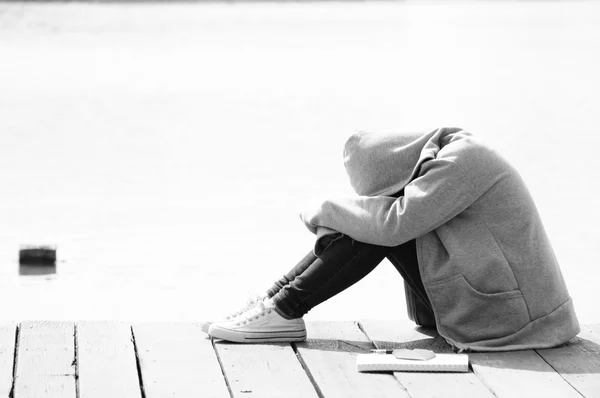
(167, 149)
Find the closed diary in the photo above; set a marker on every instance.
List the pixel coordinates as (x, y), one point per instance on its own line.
(388, 362)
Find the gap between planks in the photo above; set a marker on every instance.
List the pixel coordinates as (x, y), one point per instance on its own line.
(329, 355)
(575, 365)
(137, 363)
(578, 361)
(212, 341)
(76, 361)
(307, 371)
(64, 359)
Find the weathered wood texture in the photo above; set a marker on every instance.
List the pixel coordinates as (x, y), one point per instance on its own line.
(45, 362)
(578, 362)
(519, 374)
(397, 334)
(330, 355)
(264, 370)
(7, 354)
(106, 362)
(177, 360)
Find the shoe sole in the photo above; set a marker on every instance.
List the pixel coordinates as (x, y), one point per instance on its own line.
(277, 336)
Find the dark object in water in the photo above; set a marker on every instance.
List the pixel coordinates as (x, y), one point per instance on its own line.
(29, 254)
(41, 269)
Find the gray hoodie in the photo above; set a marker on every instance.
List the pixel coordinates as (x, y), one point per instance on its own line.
(485, 259)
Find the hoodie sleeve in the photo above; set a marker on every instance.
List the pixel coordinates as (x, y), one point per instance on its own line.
(440, 192)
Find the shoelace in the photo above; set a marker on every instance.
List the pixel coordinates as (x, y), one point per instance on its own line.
(254, 312)
(252, 301)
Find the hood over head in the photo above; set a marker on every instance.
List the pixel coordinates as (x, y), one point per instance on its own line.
(381, 163)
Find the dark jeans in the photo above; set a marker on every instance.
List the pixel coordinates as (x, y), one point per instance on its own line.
(342, 263)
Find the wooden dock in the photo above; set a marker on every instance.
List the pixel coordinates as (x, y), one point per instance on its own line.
(107, 359)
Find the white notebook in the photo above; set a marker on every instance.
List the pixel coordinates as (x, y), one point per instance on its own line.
(388, 362)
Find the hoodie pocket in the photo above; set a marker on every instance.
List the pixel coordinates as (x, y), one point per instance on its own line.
(467, 315)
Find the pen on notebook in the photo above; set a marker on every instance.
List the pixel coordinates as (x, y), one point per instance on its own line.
(382, 351)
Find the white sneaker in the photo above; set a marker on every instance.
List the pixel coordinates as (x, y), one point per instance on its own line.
(252, 301)
(261, 324)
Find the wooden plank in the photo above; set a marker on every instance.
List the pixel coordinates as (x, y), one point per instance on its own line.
(178, 360)
(106, 362)
(330, 355)
(520, 374)
(578, 361)
(264, 370)
(45, 362)
(7, 353)
(398, 334)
